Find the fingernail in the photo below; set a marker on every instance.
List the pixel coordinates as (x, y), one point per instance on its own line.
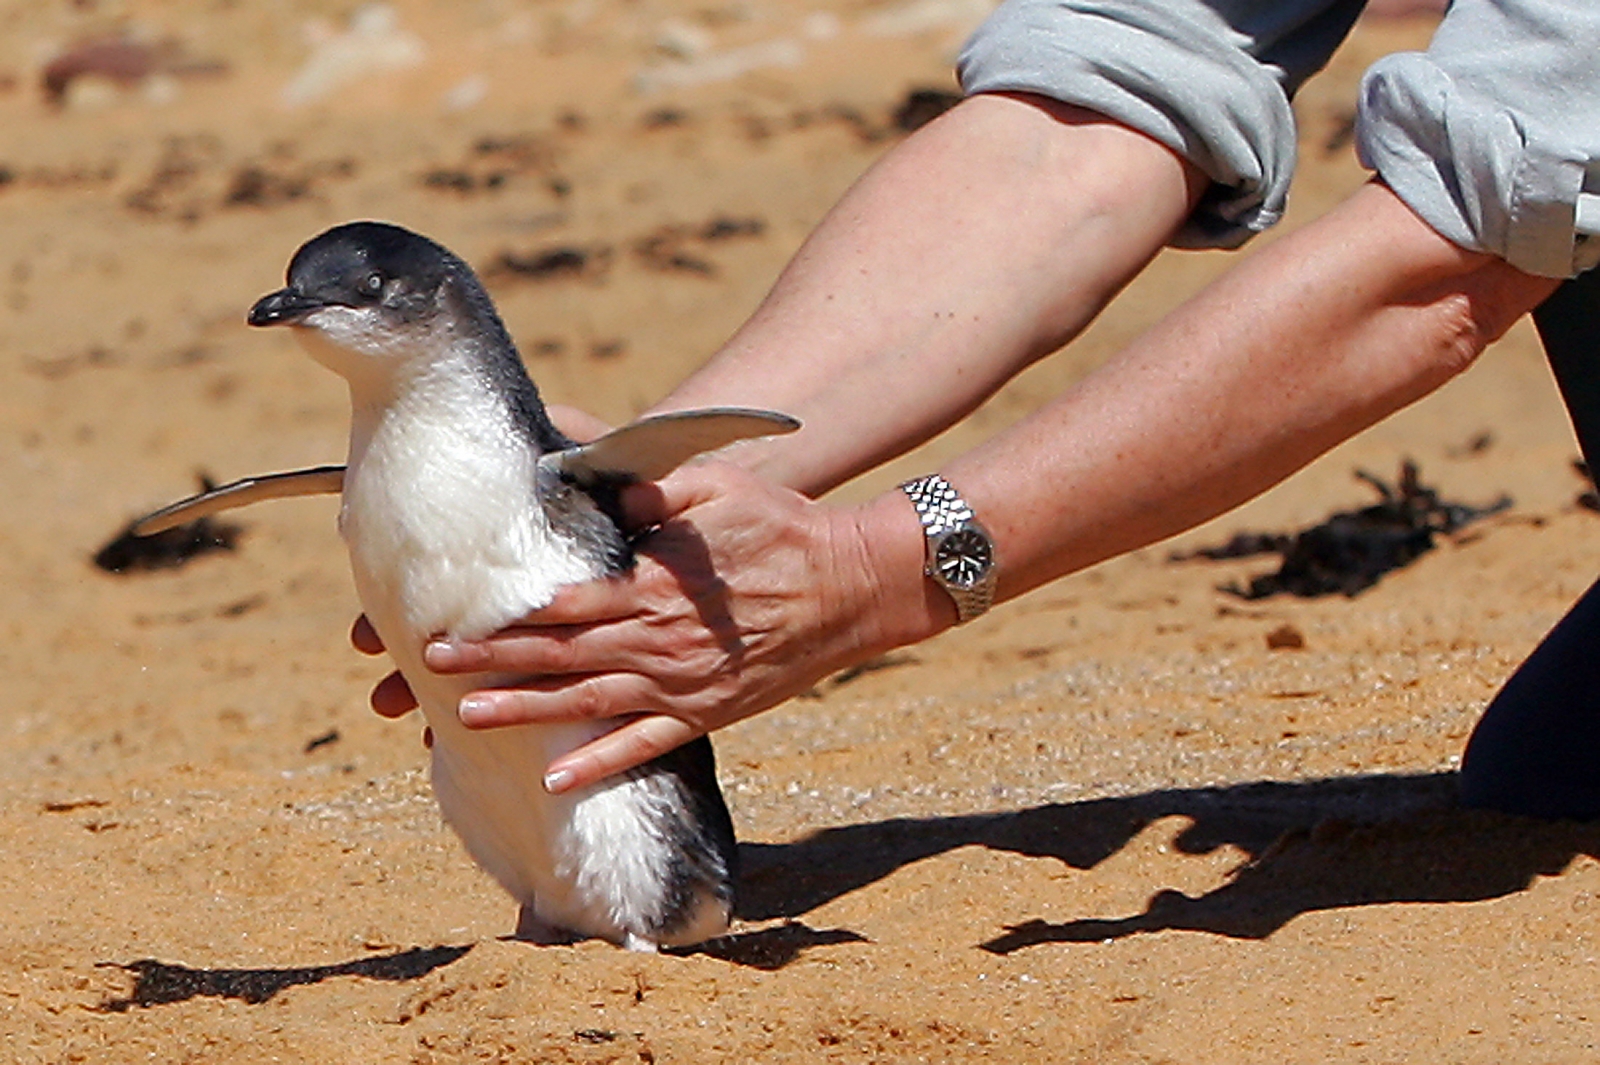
(475, 710)
(557, 781)
(441, 654)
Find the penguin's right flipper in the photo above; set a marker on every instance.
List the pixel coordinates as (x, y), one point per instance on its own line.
(317, 480)
(651, 448)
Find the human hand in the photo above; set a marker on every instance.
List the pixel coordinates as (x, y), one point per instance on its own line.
(391, 696)
(744, 595)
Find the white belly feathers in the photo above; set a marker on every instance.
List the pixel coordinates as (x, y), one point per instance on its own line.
(460, 546)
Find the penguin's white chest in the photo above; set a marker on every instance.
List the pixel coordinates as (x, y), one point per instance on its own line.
(455, 542)
(447, 536)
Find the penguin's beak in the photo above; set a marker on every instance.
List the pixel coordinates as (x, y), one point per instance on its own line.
(283, 307)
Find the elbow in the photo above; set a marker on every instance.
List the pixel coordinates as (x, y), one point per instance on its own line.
(1476, 310)
(1461, 334)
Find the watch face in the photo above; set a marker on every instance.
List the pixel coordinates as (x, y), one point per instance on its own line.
(963, 558)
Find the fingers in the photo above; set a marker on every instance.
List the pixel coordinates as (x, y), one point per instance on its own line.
(510, 650)
(548, 701)
(365, 637)
(629, 746)
(392, 697)
(561, 637)
(653, 502)
(644, 505)
(543, 643)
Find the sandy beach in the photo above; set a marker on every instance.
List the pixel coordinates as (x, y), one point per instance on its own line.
(1129, 818)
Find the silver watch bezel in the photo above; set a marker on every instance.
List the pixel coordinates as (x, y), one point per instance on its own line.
(945, 515)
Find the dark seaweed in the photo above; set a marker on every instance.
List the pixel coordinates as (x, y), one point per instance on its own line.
(922, 106)
(127, 553)
(1351, 550)
(331, 736)
(1588, 499)
(564, 260)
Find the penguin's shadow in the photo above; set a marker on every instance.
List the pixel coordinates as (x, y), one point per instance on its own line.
(1314, 845)
(769, 949)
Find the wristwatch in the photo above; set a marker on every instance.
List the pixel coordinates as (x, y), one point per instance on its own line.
(960, 555)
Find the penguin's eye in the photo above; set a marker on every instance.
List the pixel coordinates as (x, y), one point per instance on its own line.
(372, 284)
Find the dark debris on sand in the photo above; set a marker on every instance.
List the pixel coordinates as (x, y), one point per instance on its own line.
(1351, 550)
(559, 261)
(128, 553)
(922, 106)
(1588, 499)
(681, 247)
(493, 163)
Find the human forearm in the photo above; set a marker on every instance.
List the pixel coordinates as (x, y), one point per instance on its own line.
(749, 593)
(1295, 350)
(987, 239)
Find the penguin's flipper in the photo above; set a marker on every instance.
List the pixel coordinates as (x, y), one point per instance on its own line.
(651, 448)
(317, 480)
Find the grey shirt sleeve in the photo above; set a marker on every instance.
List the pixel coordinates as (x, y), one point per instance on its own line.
(1210, 79)
(1493, 134)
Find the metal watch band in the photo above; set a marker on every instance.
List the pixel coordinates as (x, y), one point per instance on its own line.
(941, 510)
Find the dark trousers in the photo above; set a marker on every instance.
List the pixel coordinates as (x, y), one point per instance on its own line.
(1536, 750)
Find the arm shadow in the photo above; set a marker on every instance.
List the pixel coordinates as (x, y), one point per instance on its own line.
(1311, 845)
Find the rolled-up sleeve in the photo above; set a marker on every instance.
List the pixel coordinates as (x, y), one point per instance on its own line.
(1493, 134)
(1210, 79)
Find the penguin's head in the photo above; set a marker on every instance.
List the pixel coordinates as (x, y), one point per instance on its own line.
(373, 295)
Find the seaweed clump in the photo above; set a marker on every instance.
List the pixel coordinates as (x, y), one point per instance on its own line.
(1350, 551)
(127, 552)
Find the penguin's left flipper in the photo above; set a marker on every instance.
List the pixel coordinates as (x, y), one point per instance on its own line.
(651, 448)
(318, 480)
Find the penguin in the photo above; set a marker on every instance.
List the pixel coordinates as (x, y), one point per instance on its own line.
(464, 508)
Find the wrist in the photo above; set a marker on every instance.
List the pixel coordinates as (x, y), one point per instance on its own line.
(906, 605)
(960, 552)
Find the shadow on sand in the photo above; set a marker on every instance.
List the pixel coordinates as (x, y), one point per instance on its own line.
(1314, 845)
(158, 983)
(770, 949)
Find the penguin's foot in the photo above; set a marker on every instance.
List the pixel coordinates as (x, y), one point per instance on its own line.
(531, 928)
(638, 944)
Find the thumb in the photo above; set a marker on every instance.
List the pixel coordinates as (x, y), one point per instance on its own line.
(650, 503)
